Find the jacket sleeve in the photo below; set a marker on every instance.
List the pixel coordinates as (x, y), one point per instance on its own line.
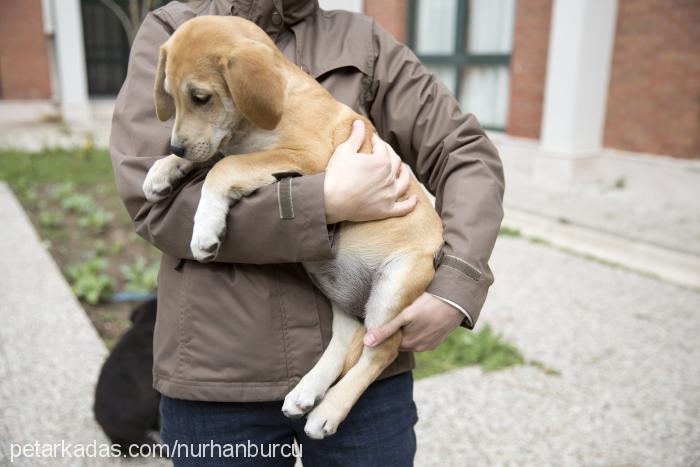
(257, 230)
(451, 155)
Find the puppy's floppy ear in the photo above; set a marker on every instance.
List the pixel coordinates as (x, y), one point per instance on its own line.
(256, 83)
(165, 106)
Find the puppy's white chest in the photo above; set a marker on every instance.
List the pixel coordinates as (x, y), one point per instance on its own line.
(252, 141)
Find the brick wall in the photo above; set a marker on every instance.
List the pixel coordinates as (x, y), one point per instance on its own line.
(389, 14)
(24, 65)
(654, 94)
(528, 67)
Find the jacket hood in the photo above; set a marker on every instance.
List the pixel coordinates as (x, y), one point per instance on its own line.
(272, 15)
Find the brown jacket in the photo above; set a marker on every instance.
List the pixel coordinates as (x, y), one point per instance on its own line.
(247, 327)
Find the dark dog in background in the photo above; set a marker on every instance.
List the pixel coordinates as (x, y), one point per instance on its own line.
(126, 405)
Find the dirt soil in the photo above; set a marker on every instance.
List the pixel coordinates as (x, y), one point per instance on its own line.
(69, 242)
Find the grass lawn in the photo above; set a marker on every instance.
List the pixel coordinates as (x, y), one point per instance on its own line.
(463, 348)
(71, 199)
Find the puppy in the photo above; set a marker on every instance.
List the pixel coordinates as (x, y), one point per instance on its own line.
(126, 405)
(229, 86)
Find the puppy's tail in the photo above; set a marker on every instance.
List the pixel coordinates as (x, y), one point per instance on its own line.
(355, 350)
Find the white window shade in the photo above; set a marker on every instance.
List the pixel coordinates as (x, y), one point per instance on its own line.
(485, 91)
(490, 29)
(436, 27)
(446, 74)
(350, 5)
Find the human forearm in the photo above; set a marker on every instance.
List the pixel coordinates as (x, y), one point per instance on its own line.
(469, 190)
(452, 156)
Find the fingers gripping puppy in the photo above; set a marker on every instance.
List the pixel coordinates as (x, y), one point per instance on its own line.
(228, 86)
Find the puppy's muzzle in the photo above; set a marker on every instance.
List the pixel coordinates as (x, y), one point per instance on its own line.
(179, 151)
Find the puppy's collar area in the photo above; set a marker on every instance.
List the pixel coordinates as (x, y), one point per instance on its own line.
(207, 164)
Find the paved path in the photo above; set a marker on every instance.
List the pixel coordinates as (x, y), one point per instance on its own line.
(652, 199)
(38, 137)
(628, 349)
(28, 125)
(50, 354)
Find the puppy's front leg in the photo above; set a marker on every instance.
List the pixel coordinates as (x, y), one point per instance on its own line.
(229, 180)
(163, 175)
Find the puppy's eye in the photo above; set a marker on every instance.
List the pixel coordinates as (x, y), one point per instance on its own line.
(201, 99)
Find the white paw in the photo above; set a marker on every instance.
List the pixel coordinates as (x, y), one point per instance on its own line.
(160, 179)
(156, 188)
(209, 227)
(205, 245)
(323, 421)
(301, 400)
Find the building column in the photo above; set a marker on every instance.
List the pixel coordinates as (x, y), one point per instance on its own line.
(581, 42)
(70, 61)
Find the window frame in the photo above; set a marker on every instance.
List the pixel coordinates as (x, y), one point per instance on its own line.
(461, 58)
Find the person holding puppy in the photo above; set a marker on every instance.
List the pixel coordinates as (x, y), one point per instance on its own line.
(234, 336)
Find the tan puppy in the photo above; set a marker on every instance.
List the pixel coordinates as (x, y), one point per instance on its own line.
(229, 86)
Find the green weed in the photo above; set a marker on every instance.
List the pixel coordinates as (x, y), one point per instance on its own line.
(89, 281)
(97, 219)
(463, 348)
(78, 203)
(508, 232)
(484, 348)
(50, 219)
(140, 276)
(60, 191)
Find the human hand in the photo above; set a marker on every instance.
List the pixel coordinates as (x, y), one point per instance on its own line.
(362, 187)
(425, 324)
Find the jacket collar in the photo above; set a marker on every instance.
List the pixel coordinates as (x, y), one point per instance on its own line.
(274, 15)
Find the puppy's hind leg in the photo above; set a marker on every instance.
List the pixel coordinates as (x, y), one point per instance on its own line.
(400, 282)
(316, 382)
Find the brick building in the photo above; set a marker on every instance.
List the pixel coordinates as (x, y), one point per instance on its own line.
(577, 75)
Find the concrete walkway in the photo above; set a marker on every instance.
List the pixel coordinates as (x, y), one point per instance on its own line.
(636, 210)
(628, 351)
(50, 355)
(33, 126)
(637, 196)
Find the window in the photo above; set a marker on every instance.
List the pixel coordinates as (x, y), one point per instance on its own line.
(467, 45)
(107, 44)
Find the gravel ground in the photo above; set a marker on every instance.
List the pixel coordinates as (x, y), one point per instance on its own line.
(628, 351)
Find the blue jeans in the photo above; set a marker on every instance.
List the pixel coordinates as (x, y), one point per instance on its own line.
(377, 432)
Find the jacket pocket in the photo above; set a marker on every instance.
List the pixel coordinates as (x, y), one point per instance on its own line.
(230, 331)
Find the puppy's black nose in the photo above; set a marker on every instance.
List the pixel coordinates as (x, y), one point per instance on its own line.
(177, 150)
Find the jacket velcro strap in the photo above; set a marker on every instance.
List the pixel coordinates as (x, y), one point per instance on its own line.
(441, 259)
(285, 200)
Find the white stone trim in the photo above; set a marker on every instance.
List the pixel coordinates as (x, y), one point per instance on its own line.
(70, 61)
(578, 70)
